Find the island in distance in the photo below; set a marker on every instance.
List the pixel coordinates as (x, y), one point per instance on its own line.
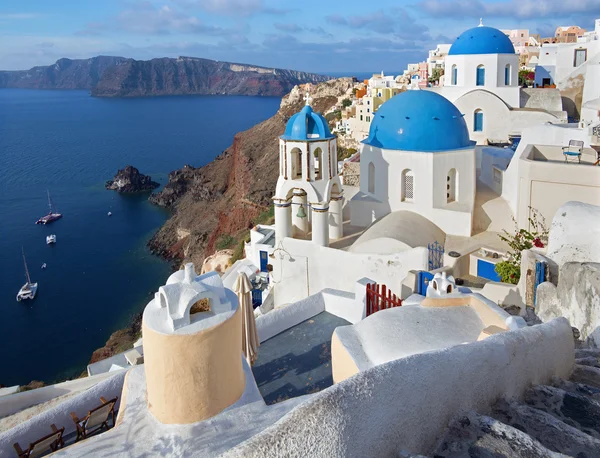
(129, 180)
(108, 76)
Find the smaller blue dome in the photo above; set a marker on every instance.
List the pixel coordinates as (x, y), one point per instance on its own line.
(482, 40)
(419, 121)
(307, 125)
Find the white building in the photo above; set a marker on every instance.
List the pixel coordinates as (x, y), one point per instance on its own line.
(560, 62)
(437, 57)
(482, 80)
(419, 158)
(308, 180)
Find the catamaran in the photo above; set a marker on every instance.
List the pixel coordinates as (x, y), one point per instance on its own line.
(29, 289)
(52, 215)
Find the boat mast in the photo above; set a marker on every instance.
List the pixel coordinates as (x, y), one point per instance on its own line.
(26, 270)
(49, 201)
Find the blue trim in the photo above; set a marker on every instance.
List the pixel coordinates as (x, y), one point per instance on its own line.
(487, 270)
(478, 121)
(480, 76)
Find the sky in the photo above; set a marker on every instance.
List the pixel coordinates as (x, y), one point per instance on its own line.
(325, 36)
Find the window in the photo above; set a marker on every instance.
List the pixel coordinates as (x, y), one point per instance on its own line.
(478, 121)
(580, 57)
(451, 186)
(507, 75)
(480, 76)
(407, 186)
(296, 162)
(318, 158)
(361, 117)
(368, 110)
(368, 118)
(371, 178)
(454, 75)
(368, 102)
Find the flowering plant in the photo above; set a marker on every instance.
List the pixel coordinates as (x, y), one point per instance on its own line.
(522, 239)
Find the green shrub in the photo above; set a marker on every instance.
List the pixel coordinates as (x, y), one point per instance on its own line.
(508, 272)
(267, 217)
(224, 242)
(346, 103)
(344, 153)
(238, 253)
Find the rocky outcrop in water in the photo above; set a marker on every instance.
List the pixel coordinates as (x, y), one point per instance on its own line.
(108, 76)
(130, 179)
(224, 197)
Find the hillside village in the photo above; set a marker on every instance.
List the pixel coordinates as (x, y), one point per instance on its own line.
(435, 292)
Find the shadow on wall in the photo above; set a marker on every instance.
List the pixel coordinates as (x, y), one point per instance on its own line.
(570, 107)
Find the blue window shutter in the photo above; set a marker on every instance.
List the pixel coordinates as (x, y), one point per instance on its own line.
(480, 76)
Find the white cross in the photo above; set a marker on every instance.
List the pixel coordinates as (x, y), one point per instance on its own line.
(308, 98)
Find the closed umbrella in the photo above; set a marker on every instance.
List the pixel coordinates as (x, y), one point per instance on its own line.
(250, 342)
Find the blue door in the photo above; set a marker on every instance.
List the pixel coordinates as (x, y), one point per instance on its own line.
(264, 260)
(540, 277)
(478, 121)
(487, 270)
(423, 281)
(480, 76)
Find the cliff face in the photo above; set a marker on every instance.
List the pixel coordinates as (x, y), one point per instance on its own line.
(64, 74)
(223, 197)
(121, 77)
(187, 75)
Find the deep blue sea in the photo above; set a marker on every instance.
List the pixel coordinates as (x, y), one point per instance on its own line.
(99, 274)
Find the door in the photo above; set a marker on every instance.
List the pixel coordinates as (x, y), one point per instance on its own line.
(580, 57)
(423, 281)
(546, 82)
(264, 260)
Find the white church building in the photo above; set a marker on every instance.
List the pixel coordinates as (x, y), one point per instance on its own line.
(308, 197)
(481, 77)
(419, 158)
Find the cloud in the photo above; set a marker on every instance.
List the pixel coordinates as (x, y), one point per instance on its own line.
(520, 9)
(18, 15)
(233, 7)
(395, 21)
(292, 28)
(145, 18)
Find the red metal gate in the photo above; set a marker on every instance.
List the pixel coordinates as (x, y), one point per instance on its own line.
(380, 298)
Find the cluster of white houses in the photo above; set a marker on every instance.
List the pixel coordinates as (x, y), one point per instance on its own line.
(427, 211)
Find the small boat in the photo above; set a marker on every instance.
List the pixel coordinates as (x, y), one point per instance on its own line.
(29, 289)
(43, 265)
(52, 215)
(109, 213)
(50, 239)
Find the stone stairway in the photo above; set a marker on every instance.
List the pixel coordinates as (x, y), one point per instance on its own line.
(557, 420)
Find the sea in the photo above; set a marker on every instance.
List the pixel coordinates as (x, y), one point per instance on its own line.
(100, 273)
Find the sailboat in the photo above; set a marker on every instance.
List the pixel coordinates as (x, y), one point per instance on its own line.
(52, 215)
(29, 289)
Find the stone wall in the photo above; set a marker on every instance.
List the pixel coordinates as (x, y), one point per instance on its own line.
(351, 174)
(577, 298)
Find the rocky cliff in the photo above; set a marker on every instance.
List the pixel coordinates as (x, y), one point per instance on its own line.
(130, 179)
(224, 197)
(122, 77)
(64, 74)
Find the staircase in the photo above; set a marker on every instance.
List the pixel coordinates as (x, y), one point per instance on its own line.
(557, 420)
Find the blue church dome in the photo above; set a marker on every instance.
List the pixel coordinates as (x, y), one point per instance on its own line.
(307, 125)
(482, 40)
(419, 121)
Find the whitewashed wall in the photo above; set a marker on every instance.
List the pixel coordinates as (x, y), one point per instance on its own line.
(381, 411)
(309, 268)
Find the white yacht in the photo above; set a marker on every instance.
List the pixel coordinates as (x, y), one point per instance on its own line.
(29, 289)
(50, 239)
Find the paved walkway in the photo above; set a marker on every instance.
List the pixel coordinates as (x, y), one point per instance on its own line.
(297, 361)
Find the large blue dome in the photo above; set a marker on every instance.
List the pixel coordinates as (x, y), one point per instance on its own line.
(419, 121)
(482, 40)
(307, 125)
